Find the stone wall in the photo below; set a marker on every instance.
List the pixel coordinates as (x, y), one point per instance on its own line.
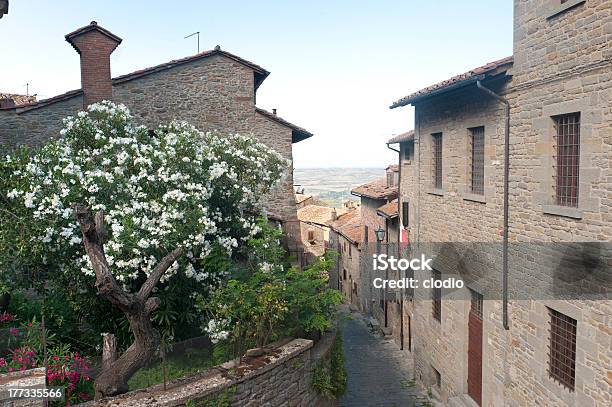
(283, 378)
(348, 264)
(27, 378)
(35, 126)
(562, 65)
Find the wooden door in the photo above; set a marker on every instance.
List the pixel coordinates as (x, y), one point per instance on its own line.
(475, 349)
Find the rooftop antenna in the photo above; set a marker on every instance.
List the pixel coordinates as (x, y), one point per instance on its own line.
(27, 85)
(191, 35)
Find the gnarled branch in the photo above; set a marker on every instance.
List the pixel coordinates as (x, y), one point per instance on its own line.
(159, 270)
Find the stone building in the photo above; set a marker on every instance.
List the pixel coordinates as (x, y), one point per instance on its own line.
(529, 350)
(347, 237)
(213, 90)
(314, 224)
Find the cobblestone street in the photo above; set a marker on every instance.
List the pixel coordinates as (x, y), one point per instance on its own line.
(379, 374)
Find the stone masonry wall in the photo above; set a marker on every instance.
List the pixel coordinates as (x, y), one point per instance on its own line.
(452, 214)
(34, 126)
(562, 65)
(284, 380)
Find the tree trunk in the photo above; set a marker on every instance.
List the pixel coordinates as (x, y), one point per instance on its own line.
(138, 307)
(109, 350)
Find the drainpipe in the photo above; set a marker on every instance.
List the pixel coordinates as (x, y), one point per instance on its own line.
(399, 236)
(506, 189)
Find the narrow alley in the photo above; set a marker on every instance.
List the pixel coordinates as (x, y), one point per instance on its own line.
(379, 374)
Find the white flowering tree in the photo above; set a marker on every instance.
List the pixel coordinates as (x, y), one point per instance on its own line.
(145, 205)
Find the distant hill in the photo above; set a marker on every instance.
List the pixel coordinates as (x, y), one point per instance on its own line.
(333, 185)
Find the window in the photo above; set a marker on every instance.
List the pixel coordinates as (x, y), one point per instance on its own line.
(437, 160)
(389, 179)
(562, 349)
(350, 254)
(437, 298)
(406, 149)
(477, 168)
(567, 140)
(344, 274)
(311, 236)
(405, 214)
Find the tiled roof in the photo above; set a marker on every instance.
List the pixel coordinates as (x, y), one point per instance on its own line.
(349, 225)
(299, 198)
(376, 190)
(260, 75)
(18, 99)
(321, 215)
(298, 133)
(388, 210)
(492, 68)
(401, 138)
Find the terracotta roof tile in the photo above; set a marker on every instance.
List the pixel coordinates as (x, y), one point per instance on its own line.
(376, 190)
(349, 225)
(19, 100)
(388, 210)
(494, 67)
(401, 138)
(320, 215)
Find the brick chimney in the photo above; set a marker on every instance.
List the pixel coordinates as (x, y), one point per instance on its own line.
(94, 44)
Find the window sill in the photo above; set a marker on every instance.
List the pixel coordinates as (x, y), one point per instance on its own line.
(557, 9)
(435, 191)
(564, 211)
(468, 196)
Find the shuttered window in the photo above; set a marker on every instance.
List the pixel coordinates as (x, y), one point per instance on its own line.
(567, 142)
(477, 167)
(562, 349)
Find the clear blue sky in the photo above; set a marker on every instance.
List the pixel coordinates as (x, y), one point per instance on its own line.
(336, 65)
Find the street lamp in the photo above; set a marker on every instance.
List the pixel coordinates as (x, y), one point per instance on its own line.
(380, 234)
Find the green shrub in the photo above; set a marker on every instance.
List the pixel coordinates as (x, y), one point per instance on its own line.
(329, 377)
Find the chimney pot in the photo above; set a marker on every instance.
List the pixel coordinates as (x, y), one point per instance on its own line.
(94, 44)
(274, 112)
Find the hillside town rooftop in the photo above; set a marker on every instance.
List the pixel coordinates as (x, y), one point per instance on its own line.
(376, 190)
(318, 214)
(15, 99)
(350, 226)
